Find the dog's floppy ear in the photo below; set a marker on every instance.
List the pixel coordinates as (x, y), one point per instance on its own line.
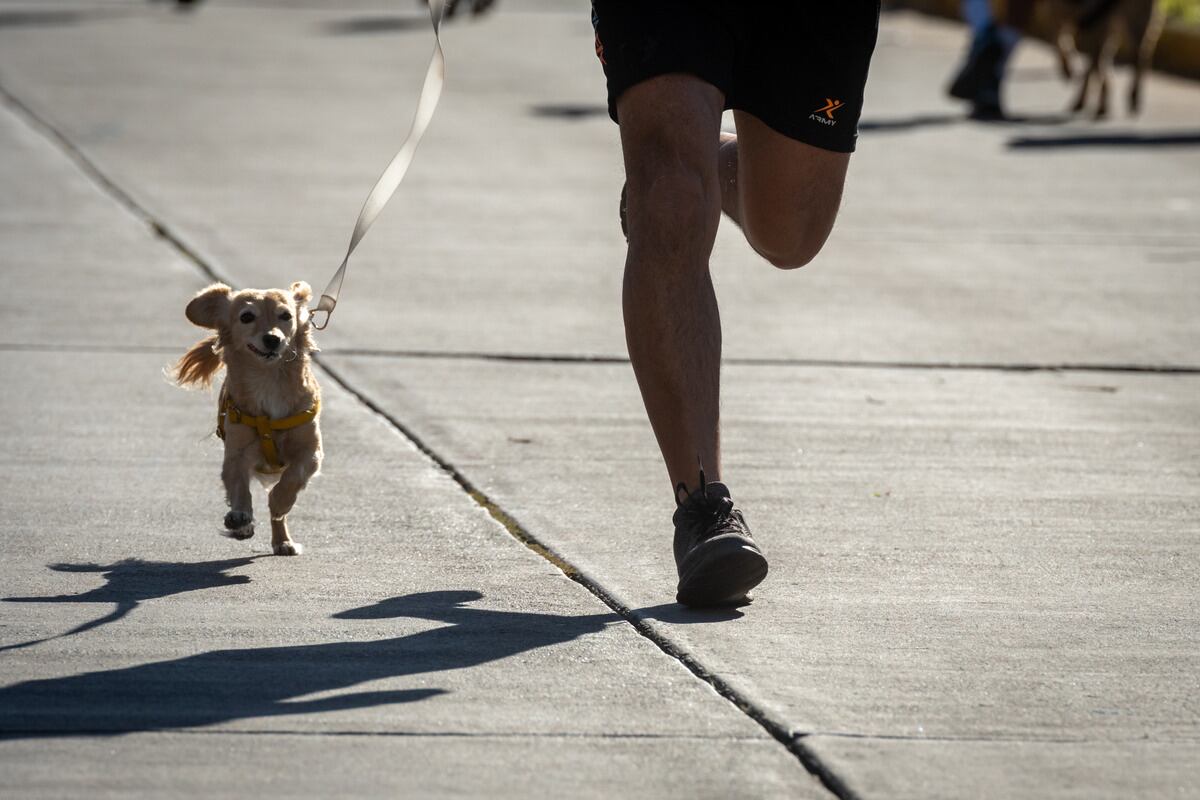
(209, 308)
(302, 293)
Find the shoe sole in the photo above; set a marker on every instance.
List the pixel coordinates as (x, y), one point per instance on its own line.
(725, 575)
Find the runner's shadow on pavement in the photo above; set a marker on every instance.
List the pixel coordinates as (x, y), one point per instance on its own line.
(129, 583)
(677, 614)
(221, 686)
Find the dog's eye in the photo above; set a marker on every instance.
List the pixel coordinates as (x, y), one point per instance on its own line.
(247, 317)
(285, 315)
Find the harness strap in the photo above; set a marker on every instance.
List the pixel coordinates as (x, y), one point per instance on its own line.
(264, 425)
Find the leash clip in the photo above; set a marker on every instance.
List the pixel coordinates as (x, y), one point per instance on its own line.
(328, 301)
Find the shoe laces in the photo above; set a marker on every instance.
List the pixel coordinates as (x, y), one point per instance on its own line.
(705, 514)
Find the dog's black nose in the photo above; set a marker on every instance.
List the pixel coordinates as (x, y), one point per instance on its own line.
(271, 341)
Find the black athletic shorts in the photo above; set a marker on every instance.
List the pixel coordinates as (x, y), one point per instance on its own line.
(799, 66)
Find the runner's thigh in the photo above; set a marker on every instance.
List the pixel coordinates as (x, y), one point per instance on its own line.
(797, 95)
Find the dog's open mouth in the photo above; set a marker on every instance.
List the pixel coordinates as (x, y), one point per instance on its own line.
(262, 353)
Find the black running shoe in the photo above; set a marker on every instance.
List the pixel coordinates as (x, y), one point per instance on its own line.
(979, 77)
(716, 556)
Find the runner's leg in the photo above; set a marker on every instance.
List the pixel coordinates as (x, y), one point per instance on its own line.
(670, 126)
(783, 193)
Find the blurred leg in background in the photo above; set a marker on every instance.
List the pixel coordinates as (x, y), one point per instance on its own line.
(980, 79)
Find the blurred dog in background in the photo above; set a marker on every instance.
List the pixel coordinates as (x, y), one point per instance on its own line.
(1097, 29)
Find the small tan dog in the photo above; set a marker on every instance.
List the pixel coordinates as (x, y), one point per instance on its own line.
(270, 402)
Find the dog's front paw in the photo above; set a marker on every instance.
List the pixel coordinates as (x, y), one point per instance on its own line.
(239, 525)
(288, 549)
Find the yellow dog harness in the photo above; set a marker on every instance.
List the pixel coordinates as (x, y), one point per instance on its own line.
(264, 425)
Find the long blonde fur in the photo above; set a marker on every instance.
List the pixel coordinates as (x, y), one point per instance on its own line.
(198, 366)
(263, 340)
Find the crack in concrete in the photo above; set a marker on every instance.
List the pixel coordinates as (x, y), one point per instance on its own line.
(547, 358)
(978, 366)
(1015, 739)
(779, 731)
(551, 358)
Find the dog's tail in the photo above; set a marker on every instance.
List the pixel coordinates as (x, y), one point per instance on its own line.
(198, 365)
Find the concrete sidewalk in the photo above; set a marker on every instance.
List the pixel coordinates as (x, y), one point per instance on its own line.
(966, 436)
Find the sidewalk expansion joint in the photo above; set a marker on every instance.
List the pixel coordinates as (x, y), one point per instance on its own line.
(539, 358)
(780, 732)
(93, 172)
(1001, 739)
(165, 232)
(966, 366)
(23, 733)
(12, 733)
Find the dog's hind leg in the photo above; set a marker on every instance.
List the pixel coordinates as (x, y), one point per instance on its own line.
(283, 497)
(239, 522)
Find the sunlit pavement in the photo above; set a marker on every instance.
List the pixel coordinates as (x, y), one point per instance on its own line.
(966, 435)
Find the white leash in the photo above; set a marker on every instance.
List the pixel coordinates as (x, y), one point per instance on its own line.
(389, 181)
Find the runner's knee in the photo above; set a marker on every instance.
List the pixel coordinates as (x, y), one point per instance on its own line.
(673, 203)
(669, 131)
(792, 254)
(789, 239)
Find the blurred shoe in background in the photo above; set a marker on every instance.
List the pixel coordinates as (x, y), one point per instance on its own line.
(980, 79)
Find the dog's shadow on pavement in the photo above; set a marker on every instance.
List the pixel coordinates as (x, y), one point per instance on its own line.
(128, 583)
(225, 685)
